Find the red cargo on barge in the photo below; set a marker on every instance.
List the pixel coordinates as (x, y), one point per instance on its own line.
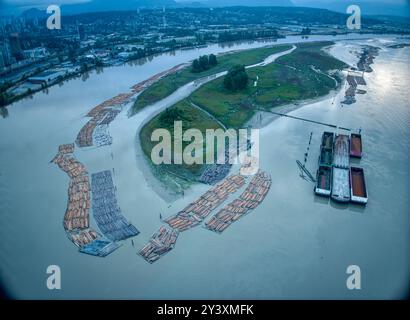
(356, 145)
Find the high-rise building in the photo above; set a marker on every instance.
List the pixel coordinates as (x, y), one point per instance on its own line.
(15, 46)
(2, 62)
(81, 32)
(5, 52)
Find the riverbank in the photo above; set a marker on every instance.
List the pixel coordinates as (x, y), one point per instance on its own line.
(302, 231)
(305, 73)
(169, 84)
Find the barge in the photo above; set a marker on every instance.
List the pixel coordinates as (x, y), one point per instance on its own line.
(356, 145)
(341, 151)
(326, 157)
(358, 186)
(326, 150)
(323, 181)
(327, 140)
(340, 184)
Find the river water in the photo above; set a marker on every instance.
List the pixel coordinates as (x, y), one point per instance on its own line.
(294, 245)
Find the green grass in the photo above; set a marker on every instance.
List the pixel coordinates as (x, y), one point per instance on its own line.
(289, 79)
(169, 84)
(191, 118)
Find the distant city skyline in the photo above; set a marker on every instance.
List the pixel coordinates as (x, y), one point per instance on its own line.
(369, 7)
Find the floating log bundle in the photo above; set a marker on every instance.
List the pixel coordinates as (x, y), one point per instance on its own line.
(100, 248)
(164, 239)
(69, 165)
(106, 211)
(66, 148)
(101, 136)
(101, 115)
(160, 243)
(120, 99)
(252, 197)
(83, 237)
(197, 211)
(139, 87)
(106, 112)
(76, 219)
(77, 214)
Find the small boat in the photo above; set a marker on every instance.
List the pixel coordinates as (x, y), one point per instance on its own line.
(340, 185)
(358, 186)
(356, 145)
(323, 181)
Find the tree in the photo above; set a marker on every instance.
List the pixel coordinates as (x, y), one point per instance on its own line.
(196, 66)
(170, 115)
(212, 60)
(236, 78)
(204, 62)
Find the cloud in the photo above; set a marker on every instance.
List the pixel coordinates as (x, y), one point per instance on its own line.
(40, 3)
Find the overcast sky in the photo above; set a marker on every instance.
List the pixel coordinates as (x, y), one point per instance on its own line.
(44, 3)
(25, 3)
(48, 2)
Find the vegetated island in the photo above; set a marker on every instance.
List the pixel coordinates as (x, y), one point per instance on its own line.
(169, 84)
(308, 72)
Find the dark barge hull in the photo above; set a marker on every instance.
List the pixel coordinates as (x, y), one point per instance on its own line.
(324, 181)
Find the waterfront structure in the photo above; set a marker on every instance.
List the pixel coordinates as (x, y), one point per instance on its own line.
(15, 46)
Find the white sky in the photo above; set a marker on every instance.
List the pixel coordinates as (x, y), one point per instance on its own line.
(24, 3)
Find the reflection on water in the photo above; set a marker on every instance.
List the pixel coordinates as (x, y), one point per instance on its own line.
(85, 76)
(99, 70)
(4, 112)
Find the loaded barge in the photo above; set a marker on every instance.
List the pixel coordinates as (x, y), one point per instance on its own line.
(324, 173)
(341, 151)
(358, 186)
(340, 184)
(340, 170)
(356, 145)
(323, 181)
(334, 177)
